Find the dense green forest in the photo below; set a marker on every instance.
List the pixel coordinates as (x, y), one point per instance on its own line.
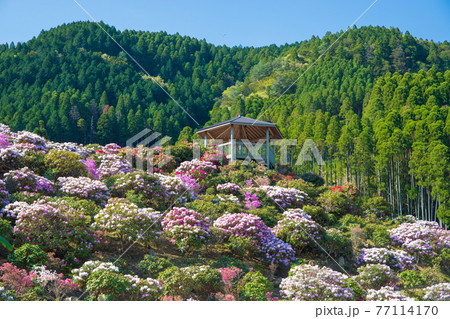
(375, 104)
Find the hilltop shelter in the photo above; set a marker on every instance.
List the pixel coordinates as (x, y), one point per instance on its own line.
(240, 133)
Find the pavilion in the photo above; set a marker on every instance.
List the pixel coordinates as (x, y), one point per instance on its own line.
(244, 138)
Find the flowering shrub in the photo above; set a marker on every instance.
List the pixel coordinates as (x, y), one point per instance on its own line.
(337, 203)
(230, 276)
(4, 140)
(15, 279)
(196, 169)
(112, 164)
(386, 293)
(187, 228)
(24, 137)
(311, 283)
(200, 282)
(9, 159)
(53, 283)
(80, 275)
(107, 285)
(125, 220)
(252, 227)
(25, 179)
(395, 259)
(214, 156)
(3, 195)
(229, 188)
(251, 201)
(439, 292)
(421, 237)
(228, 198)
(348, 188)
(297, 229)
(84, 187)
(143, 289)
(285, 197)
(55, 227)
(376, 276)
(148, 186)
(91, 168)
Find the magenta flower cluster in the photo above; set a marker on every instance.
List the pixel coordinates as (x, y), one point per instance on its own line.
(251, 201)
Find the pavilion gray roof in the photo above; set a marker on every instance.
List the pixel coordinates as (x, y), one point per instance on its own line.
(245, 128)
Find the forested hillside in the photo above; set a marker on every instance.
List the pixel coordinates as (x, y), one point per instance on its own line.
(375, 103)
(77, 81)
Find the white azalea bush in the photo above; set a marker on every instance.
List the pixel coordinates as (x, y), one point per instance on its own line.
(312, 283)
(84, 187)
(439, 292)
(127, 221)
(80, 275)
(386, 294)
(285, 197)
(398, 259)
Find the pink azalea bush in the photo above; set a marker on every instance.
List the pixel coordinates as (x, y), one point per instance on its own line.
(25, 179)
(197, 169)
(312, 283)
(214, 156)
(17, 280)
(55, 227)
(251, 201)
(126, 220)
(187, 228)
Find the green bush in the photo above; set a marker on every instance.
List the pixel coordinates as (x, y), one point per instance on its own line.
(269, 215)
(36, 162)
(211, 208)
(254, 287)
(443, 260)
(313, 178)
(27, 256)
(85, 206)
(64, 163)
(242, 247)
(319, 215)
(377, 234)
(108, 284)
(358, 292)
(433, 276)
(411, 279)
(337, 203)
(151, 266)
(180, 153)
(5, 229)
(377, 205)
(338, 244)
(199, 282)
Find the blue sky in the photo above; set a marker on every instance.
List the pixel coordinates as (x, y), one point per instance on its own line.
(231, 22)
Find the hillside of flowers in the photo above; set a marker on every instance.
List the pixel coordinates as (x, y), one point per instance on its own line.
(95, 222)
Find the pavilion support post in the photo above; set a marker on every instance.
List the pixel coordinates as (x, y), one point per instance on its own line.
(206, 141)
(267, 149)
(233, 146)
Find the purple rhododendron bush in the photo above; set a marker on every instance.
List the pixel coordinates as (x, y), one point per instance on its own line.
(89, 222)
